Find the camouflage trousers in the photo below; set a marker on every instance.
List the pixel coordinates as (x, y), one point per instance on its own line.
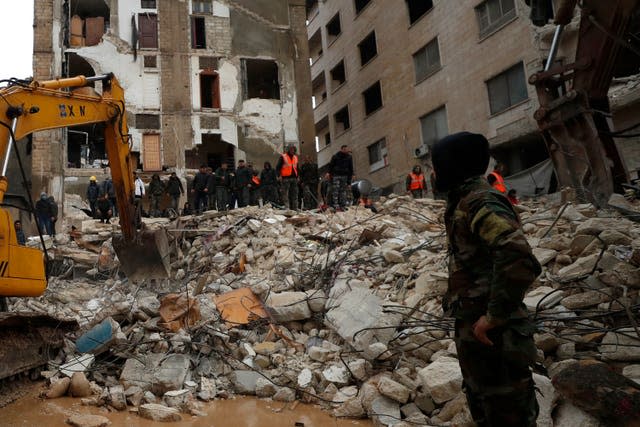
(497, 379)
(339, 187)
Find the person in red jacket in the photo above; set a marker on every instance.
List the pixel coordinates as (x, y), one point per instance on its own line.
(496, 180)
(415, 182)
(287, 171)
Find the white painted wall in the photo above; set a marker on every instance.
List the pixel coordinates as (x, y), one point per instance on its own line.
(220, 9)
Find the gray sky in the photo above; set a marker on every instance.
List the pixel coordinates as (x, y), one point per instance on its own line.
(16, 38)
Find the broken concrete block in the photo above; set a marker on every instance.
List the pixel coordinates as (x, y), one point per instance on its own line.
(622, 345)
(542, 297)
(116, 398)
(265, 388)
(177, 399)
(392, 256)
(385, 411)
(546, 400)
(207, 390)
(336, 374)
(584, 299)
(352, 408)
(285, 394)
(632, 372)
(358, 369)
(80, 386)
(358, 310)
(85, 420)
(320, 354)
(77, 364)
(288, 306)
(245, 381)
(156, 412)
(58, 388)
(316, 299)
(304, 378)
(442, 379)
(170, 374)
(582, 267)
(393, 390)
(544, 256)
(568, 415)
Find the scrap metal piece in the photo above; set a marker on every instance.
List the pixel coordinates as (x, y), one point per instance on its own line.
(29, 340)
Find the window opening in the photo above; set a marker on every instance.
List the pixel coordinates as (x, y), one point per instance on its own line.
(372, 98)
(417, 8)
(368, 49)
(198, 33)
(507, 89)
(342, 119)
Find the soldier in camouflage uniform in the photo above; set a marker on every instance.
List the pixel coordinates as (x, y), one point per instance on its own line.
(490, 268)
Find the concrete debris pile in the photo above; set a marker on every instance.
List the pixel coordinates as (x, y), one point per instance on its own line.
(342, 310)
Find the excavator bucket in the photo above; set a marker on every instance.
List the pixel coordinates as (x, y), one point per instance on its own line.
(146, 257)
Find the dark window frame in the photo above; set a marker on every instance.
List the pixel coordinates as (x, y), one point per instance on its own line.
(431, 64)
(209, 80)
(332, 75)
(342, 116)
(494, 14)
(365, 45)
(513, 81)
(378, 155)
(417, 9)
(152, 19)
(372, 97)
(198, 32)
(360, 5)
(332, 26)
(195, 10)
(148, 4)
(437, 135)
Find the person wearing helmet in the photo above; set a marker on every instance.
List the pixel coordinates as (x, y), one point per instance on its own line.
(491, 265)
(93, 192)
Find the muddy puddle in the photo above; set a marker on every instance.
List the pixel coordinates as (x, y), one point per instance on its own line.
(31, 411)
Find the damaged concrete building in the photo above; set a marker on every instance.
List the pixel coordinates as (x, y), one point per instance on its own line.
(391, 78)
(205, 82)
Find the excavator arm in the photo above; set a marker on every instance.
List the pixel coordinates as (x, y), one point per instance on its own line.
(38, 106)
(574, 107)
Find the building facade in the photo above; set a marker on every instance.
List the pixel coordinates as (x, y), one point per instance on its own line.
(389, 78)
(205, 81)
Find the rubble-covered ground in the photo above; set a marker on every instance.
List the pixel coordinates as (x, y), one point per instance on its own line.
(342, 310)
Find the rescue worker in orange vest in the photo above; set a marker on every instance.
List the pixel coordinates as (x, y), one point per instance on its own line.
(416, 184)
(254, 187)
(287, 170)
(496, 180)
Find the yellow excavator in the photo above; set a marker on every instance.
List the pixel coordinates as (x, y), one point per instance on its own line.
(31, 106)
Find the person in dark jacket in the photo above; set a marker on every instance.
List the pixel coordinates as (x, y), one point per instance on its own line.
(186, 209)
(104, 209)
(287, 172)
(269, 183)
(211, 189)
(341, 170)
(491, 266)
(107, 188)
(93, 192)
(54, 215)
(200, 189)
(310, 178)
(242, 182)
(174, 189)
(156, 190)
(20, 237)
(255, 187)
(222, 180)
(43, 213)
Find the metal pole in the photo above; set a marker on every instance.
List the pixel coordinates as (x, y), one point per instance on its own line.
(554, 47)
(14, 124)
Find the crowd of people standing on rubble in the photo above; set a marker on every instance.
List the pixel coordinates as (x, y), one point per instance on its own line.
(290, 184)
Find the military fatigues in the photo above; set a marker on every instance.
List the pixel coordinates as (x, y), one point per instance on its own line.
(490, 268)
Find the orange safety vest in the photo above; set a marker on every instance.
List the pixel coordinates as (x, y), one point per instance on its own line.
(417, 182)
(499, 183)
(289, 166)
(255, 180)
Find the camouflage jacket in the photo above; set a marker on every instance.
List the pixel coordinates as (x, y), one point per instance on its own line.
(490, 262)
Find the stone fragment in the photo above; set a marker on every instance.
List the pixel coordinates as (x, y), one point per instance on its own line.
(288, 306)
(425, 403)
(546, 342)
(580, 243)
(632, 372)
(265, 388)
(622, 345)
(542, 297)
(171, 374)
(358, 369)
(207, 390)
(316, 299)
(116, 398)
(245, 381)
(77, 364)
(385, 411)
(58, 388)
(157, 412)
(85, 420)
(336, 374)
(442, 379)
(392, 256)
(267, 348)
(139, 371)
(178, 399)
(568, 415)
(284, 394)
(584, 299)
(320, 354)
(393, 390)
(352, 408)
(613, 237)
(581, 267)
(134, 395)
(546, 399)
(355, 312)
(452, 408)
(304, 378)
(80, 386)
(544, 256)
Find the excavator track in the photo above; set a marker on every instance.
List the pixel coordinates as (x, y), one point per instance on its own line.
(30, 340)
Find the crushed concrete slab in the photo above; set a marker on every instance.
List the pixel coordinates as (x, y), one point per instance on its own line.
(157, 412)
(442, 379)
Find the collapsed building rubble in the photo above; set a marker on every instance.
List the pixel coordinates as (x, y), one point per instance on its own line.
(341, 310)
